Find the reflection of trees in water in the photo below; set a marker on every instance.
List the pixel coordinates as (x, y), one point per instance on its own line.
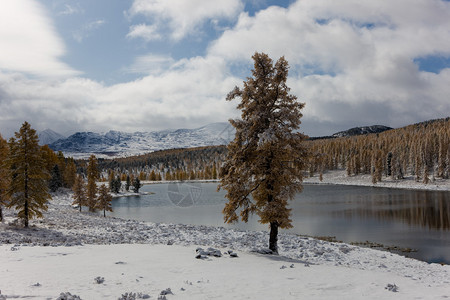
(424, 209)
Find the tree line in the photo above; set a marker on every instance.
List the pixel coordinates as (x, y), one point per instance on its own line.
(420, 150)
(29, 172)
(200, 163)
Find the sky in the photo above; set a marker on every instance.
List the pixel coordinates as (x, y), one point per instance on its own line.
(145, 65)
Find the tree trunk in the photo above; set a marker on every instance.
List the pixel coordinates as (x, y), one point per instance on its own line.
(104, 213)
(26, 213)
(273, 237)
(1, 214)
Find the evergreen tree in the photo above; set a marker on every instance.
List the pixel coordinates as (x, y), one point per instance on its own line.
(79, 192)
(137, 185)
(56, 180)
(128, 183)
(4, 175)
(29, 190)
(266, 158)
(93, 176)
(116, 185)
(104, 199)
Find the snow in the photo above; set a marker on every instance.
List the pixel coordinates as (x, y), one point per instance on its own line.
(340, 177)
(122, 144)
(93, 257)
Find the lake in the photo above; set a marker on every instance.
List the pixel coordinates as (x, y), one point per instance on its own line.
(393, 217)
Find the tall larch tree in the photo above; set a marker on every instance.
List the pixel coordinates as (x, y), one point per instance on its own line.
(263, 168)
(4, 175)
(104, 199)
(29, 189)
(79, 192)
(92, 176)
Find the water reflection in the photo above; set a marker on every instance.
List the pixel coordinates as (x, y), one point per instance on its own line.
(405, 218)
(421, 208)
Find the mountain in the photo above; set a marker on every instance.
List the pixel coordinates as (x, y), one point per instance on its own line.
(362, 130)
(119, 144)
(49, 136)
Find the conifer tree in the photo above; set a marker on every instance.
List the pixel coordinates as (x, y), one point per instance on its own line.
(28, 191)
(70, 173)
(104, 199)
(93, 176)
(79, 192)
(127, 183)
(266, 158)
(56, 180)
(4, 175)
(137, 185)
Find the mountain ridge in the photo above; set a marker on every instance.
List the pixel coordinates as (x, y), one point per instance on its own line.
(115, 143)
(119, 144)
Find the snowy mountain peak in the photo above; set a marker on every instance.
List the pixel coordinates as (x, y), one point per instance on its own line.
(116, 143)
(49, 136)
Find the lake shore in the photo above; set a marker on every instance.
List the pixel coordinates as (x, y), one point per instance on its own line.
(148, 258)
(339, 177)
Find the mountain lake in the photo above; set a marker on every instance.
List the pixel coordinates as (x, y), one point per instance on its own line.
(393, 219)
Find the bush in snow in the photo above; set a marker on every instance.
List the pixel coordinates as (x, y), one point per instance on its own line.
(133, 296)
(392, 288)
(68, 296)
(99, 280)
(167, 291)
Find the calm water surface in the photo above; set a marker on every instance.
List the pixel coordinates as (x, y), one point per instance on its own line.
(404, 218)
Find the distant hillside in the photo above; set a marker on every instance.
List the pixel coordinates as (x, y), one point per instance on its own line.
(362, 130)
(122, 144)
(354, 132)
(49, 136)
(421, 150)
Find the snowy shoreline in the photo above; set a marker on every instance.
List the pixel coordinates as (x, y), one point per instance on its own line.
(339, 177)
(167, 256)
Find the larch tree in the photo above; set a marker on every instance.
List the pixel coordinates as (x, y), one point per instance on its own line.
(4, 175)
(28, 191)
(92, 176)
(70, 173)
(104, 199)
(79, 192)
(263, 168)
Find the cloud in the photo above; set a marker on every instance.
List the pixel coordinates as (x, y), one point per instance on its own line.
(87, 29)
(29, 42)
(352, 60)
(146, 32)
(68, 10)
(151, 64)
(184, 17)
(190, 94)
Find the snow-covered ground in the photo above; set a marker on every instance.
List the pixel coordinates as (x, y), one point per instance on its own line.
(340, 177)
(93, 257)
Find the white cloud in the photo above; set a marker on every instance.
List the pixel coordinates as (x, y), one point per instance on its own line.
(87, 29)
(28, 40)
(151, 64)
(184, 17)
(146, 32)
(352, 60)
(68, 10)
(190, 94)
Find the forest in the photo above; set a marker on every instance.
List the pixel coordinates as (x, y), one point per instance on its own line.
(420, 150)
